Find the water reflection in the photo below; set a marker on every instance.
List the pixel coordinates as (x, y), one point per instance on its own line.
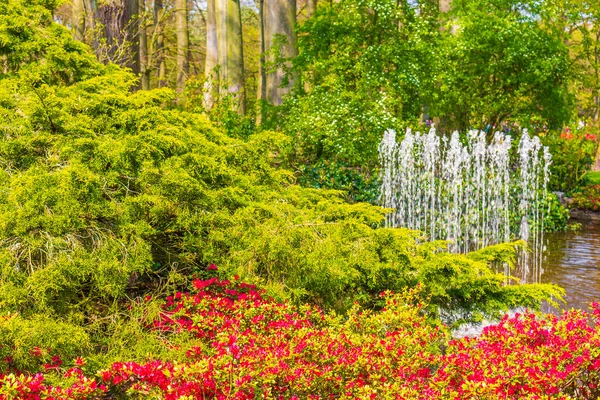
(572, 261)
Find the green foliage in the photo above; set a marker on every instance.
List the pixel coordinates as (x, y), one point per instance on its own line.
(499, 254)
(355, 183)
(556, 215)
(573, 152)
(501, 64)
(30, 343)
(366, 67)
(28, 35)
(588, 198)
(592, 178)
(465, 287)
(576, 22)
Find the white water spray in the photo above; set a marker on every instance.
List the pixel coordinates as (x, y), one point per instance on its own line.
(472, 195)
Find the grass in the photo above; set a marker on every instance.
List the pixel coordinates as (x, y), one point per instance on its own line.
(592, 178)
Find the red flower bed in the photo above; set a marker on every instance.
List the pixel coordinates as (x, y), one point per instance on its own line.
(244, 346)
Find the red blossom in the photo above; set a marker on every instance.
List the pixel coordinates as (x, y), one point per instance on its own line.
(248, 346)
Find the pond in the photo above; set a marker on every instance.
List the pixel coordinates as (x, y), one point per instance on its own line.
(572, 261)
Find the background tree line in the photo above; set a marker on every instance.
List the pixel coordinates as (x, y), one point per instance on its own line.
(334, 75)
(225, 44)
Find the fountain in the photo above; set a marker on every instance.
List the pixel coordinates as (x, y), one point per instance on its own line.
(471, 194)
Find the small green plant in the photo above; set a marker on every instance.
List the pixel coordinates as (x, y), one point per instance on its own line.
(588, 198)
(223, 113)
(556, 216)
(592, 178)
(573, 152)
(356, 184)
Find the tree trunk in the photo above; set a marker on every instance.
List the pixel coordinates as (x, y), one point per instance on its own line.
(279, 21)
(131, 25)
(311, 7)
(230, 51)
(90, 33)
(109, 16)
(143, 40)
(79, 19)
(262, 77)
(119, 18)
(211, 86)
(181, 26)
(445, 6)
(597, 78)
(84, 22)
(160, 43)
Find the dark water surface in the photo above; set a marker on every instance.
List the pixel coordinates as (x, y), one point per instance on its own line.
(572, 261)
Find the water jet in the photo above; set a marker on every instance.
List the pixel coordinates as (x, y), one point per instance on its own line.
(468, 192)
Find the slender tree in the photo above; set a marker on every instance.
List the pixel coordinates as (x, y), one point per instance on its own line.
(143, 46)
(159, 45)
(211, 72)
(311, 7)
(79, 19)
(262, 77)
(278, 20)
(84, 22)
(130, 30)
(230, 51)
(181, 25)
(91, 7)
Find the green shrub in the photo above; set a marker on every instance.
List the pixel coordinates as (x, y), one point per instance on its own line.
(27, 344)
(592, 178)
(588, 198)
(556, 215)
(573, 152)
(356, 184)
